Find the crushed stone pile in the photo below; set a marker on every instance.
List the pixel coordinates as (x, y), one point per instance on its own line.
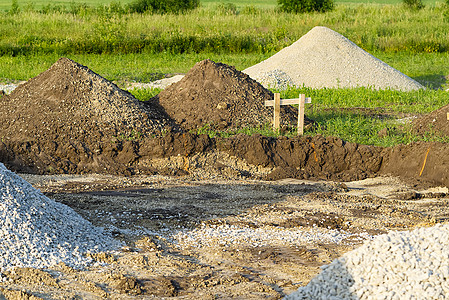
(157, 84)
(398, 265)
(38, 232)
(74, 120)
(323, 58)
(218, 95)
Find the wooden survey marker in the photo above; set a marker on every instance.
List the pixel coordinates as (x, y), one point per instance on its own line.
(277, 102)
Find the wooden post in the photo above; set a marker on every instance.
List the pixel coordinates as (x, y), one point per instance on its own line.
(277, 102)
(277, 111)
(302, 101)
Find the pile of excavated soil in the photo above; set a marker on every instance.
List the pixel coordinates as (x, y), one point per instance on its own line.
(436, 122)
(39, 232)
(218, 95)
(71, 119)
(324, 58)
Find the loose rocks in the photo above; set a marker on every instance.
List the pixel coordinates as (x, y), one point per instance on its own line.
(38, 232)
(324, 58)
(397, 265)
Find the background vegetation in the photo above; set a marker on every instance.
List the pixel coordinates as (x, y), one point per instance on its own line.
(302, 6)
(225, 29)
(124, 46)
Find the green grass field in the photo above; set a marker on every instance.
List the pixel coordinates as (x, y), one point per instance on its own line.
(123, 47)
(6, 4)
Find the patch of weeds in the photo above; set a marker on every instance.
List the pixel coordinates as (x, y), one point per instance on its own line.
(265, 130)
(164, 132)
(145, 94)
(133, 136)
(206, 129)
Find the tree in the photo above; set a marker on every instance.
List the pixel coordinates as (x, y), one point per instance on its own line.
(163, 6)
(302, 6)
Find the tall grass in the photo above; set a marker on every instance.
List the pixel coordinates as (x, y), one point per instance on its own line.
(388, 28)
(422, 101)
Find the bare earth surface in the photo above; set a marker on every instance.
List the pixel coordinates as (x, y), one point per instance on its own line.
(240, 239)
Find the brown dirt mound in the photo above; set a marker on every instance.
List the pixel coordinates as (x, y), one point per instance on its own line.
(436, 121)
(420, 163)
(218, 95)
(71, 119)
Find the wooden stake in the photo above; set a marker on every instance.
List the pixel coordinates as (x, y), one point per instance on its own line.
(302, 101)
(277, 111)
(277, 102)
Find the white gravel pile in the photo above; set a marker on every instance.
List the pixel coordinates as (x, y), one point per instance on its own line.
(38, 232)
(277, 79)
(323, 58)
(209, 235)
(398, 265)
(8, 88)
(158, 84)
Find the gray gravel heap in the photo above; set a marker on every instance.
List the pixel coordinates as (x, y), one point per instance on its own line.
(323, 58)
(398, 265)
(38, 232)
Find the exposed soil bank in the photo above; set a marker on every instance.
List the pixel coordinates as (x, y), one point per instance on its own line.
(420, 163)
(71, 120)
(302, 157)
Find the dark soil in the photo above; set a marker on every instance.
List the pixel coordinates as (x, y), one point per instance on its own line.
(71, 120)
(421, 163)
(220, 96)
(436, 121)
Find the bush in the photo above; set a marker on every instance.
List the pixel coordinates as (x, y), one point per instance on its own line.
(15, 9)
(302, 6)
(413, 4)
(163, 6)
(227, 9)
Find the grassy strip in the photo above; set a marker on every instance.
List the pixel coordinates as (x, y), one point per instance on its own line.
(388, 28)
(360, 115)
(429, 69)
(415, 102)
(355, 128)
(366, 130)
(126, 67)
(371, 117)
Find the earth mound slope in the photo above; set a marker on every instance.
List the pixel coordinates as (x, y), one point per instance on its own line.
(436, 121)
(39, 232)
(69, 113)
(218, 95)
(323, 58)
